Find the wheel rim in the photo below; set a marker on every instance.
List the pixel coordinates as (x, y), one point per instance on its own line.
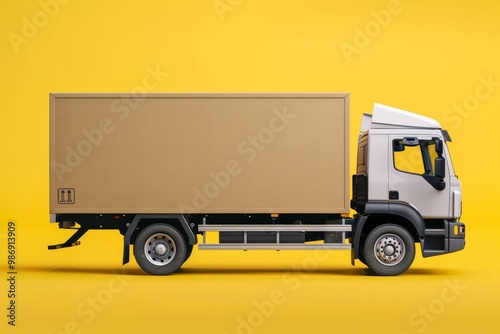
(389, 249)
(160, 249)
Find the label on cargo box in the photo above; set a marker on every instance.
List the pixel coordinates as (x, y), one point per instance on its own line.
(66, 196)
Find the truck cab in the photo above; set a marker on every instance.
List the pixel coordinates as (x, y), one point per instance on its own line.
(404, 181)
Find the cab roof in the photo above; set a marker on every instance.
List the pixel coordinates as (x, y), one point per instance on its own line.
(384, 117)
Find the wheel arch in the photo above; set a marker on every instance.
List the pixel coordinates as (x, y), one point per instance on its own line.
(377, 214)
(145, 222)
(180, 222)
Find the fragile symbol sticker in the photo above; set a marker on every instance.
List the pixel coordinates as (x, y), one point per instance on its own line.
(66, 196)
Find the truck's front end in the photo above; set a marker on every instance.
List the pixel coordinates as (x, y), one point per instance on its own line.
(405, 190)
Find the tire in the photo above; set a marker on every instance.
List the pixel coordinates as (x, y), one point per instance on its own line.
(361, 255)
(160, 249)
(389, 250)
(189, 250)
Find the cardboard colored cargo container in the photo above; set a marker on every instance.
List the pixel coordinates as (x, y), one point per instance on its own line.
(199, 153)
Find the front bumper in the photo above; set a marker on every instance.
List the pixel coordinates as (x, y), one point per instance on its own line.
(448, 237)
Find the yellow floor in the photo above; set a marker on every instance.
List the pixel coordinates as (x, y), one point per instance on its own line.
(85, 290)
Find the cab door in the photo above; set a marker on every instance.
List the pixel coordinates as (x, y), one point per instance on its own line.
(412, 176)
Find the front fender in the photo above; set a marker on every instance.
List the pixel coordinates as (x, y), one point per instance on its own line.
(400, 209)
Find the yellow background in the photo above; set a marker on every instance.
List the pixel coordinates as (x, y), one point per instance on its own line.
(427, 57)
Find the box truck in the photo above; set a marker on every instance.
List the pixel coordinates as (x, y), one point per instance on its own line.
(261, 171)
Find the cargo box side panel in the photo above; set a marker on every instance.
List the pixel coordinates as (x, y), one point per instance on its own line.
(174, 153)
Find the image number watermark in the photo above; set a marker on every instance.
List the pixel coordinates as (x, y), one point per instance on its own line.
(11, 274)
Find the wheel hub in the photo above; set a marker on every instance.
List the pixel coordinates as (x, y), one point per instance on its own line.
(389, 249)
(160, 249)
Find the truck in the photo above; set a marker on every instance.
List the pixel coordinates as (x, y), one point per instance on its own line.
(259, 171)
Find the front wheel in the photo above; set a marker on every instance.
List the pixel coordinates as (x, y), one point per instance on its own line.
(160, 249)
(389, 250)
(189, 250)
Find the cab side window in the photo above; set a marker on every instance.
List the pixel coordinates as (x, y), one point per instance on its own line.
(408, 159)
(416, 158)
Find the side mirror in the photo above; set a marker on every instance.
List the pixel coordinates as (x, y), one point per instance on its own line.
(439, 146)
(440, 165)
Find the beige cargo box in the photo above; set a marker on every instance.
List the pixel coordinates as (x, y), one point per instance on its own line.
(199, 153)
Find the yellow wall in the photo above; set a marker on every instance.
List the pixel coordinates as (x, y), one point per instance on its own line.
(436, 58)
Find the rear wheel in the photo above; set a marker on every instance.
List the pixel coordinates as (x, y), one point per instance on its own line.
(160, 249)
(389, 250)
